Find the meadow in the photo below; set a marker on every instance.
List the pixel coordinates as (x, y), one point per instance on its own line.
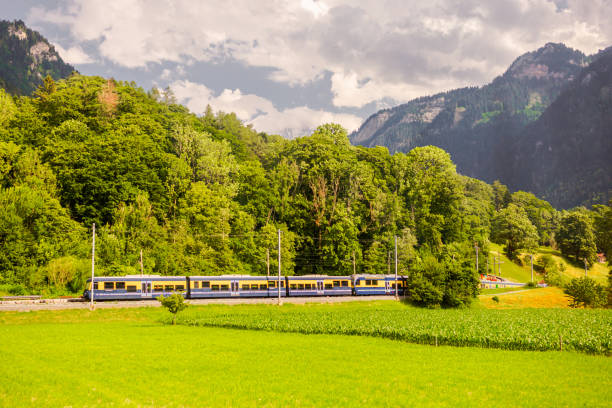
(128, 357)
(550, 298)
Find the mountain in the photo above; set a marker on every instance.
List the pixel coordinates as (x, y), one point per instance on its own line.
(26, 57)
(479, 126)
(566, 155)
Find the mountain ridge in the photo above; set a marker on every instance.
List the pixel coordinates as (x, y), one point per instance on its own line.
(479, 126)
(26, 58)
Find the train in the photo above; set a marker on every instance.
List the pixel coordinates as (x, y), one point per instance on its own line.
(141, 287)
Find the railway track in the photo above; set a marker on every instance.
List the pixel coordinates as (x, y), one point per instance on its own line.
(80, 303)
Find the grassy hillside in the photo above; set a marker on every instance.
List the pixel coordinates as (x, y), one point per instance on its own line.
(517, 273)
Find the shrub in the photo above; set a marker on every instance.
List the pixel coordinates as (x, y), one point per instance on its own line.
(495, 299)
(175, 303)
(586, 292)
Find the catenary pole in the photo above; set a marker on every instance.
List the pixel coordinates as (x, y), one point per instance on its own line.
(93, 265)
(531, 267)
(279, 266)
(476, 246)
(396, 267)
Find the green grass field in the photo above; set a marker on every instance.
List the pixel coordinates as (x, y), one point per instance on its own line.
(517, 273)
(126, 357)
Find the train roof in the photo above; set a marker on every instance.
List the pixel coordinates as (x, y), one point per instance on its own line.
(225, 277)
(376, 276)
(134, 278)
(318, 277)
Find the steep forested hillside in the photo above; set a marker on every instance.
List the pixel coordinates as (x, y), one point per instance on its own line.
(479, 127)
(26, 57)
(203, 195)
(566, 155)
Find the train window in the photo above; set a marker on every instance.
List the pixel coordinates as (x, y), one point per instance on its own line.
(131, 288)
(214, 287)
(224, 287)
(109, 285)
(205, 284)
(158, 288)
(245, 287)
(254, 287)
(393, 286)
(336, 283)
(264, 286)
(168, 288)
(196, 285)
(293, 286)
(300, 286)
(328, 286)
(95, 285)
(120, 285)
(180, 287)
(282, 284)
(344, 283)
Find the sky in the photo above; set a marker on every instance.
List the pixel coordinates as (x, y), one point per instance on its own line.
(288, 66)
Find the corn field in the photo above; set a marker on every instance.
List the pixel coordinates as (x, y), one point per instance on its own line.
(588, 331)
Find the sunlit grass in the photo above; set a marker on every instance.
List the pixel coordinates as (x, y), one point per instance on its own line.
(550, 297)
(125, 357)
(517, 273)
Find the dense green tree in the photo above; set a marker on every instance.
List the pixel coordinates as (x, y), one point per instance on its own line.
(602, 223)
(501, 195)
(541, 214)
(433, 195)
(576, 238)
(512, 227)
(585, 292)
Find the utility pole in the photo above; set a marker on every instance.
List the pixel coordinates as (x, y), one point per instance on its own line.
(388, 262)
(396, 268)
(279, 267)
(141, 267)
(268, 262)
(93, 264)
(531, 267)
(353, 262)
(476, 246)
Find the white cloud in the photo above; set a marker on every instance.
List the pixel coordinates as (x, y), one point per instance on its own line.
(397, 49)
(74, 55)
(258, 111)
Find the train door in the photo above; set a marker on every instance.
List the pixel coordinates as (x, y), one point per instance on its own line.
(145, 289)
(319, 287)
(234, 288)
(387, 287)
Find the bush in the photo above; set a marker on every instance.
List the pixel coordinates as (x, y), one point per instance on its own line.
(175, 303)
(531, 285)
(586, 292)
(495, 299)
(15, 290)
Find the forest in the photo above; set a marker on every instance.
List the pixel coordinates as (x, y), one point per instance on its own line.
(206, 194)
